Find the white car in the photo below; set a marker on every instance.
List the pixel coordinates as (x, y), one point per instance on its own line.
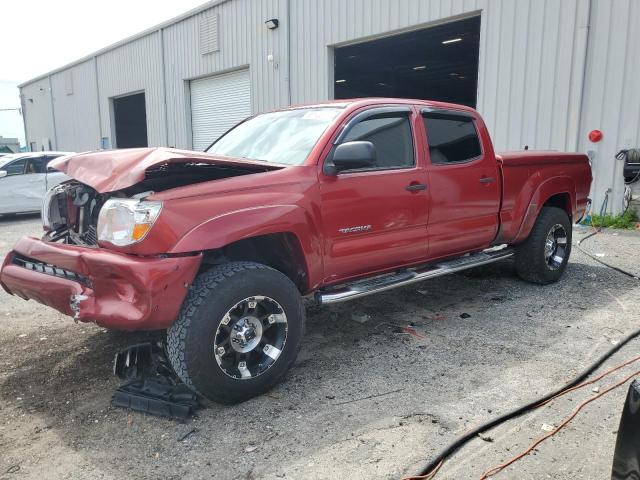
(25, 178)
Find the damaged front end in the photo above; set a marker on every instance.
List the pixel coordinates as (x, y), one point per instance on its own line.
(70, 214)
(75, 213)
(92, 263)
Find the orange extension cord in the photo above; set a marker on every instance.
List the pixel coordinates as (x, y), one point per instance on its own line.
(498, 468)
(493, 470)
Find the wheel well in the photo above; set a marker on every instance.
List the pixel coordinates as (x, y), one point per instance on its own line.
(562, 201)
(281, 251)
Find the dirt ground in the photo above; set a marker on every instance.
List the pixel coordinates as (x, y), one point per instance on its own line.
(365, 400)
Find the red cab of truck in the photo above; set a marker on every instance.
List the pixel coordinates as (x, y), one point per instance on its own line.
(329, 201)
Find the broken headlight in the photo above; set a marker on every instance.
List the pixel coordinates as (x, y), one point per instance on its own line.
(125, 221)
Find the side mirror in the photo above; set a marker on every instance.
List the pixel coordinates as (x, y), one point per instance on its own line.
(353, 155)
(3, 173)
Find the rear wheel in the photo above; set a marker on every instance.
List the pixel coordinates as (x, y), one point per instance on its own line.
(542, 258)
(238, 332)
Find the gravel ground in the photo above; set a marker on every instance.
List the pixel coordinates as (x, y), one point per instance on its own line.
(365, 400)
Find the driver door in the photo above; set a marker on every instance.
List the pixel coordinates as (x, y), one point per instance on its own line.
(375, 218)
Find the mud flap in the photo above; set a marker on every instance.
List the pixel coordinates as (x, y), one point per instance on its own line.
(626, 458)
(150, 384)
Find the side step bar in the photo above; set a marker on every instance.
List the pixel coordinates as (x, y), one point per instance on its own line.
(382, 283)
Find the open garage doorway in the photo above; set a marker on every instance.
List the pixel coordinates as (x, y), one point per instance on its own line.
(130, 118)
(435, 63)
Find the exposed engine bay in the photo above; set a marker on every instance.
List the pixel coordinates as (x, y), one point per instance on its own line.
(70, 210)
(70, 214)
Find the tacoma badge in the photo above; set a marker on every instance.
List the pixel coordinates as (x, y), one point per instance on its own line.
(359, 228)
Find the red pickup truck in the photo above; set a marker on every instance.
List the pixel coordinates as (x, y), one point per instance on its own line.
(329, 202)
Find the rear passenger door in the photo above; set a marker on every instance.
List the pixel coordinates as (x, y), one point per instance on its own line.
(464, 183)
(35, 182)
(18, 190)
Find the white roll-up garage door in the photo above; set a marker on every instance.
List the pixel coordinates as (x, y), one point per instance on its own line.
(217, 104)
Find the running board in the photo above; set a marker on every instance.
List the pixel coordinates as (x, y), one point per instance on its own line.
(382, 283)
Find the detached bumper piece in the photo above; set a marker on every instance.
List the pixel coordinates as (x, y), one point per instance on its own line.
(626, 457)
(150, 384)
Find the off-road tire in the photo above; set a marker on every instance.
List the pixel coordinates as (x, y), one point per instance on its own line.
(530, 261)
(190, 341)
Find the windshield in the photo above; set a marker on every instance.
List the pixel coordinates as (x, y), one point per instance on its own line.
(281, 137)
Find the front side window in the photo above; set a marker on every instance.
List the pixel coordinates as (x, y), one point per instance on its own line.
(452, 139)
(391, 135)
(285, 137)
(15, 168)
(37, 165)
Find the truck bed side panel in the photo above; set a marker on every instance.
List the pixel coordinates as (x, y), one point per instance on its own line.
(530, 179)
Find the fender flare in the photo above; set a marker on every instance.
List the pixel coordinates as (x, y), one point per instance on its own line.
(547, 189)
(230, 227)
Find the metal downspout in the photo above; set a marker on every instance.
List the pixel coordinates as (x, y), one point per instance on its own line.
(584, 74)
(53, 117)
(24, 121)
(95, 68)
(164, 88)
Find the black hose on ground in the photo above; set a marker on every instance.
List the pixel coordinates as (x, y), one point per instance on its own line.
(460, 441)
(593, 257)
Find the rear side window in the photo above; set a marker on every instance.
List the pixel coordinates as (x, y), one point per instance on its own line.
(16, 167)
(392, 137)
(452, 139)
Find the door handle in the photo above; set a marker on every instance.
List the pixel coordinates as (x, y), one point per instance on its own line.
(487, 180)
(416, 187)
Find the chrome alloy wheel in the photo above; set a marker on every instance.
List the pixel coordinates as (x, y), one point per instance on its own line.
(250, 337)
(555, 246)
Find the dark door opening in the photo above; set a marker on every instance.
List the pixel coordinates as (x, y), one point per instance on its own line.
(436, 63)
(130, 115)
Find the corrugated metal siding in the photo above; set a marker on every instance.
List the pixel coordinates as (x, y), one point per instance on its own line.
(612, 94)
(531, 85)
(243, 40)
(77, 120)
(36, 103)
(131, 68)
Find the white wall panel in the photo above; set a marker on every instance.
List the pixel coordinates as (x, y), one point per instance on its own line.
(77, 119)
(36, 104)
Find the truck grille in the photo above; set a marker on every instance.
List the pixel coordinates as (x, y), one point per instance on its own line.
(91, 236)
(48, 269)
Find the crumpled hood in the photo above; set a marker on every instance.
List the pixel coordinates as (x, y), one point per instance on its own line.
(111, 170)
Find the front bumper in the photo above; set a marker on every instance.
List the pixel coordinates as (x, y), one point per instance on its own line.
(114, 290)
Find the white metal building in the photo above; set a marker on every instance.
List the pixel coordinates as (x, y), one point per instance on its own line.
(543, 73)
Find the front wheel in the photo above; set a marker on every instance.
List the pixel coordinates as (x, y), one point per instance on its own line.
(542, 258)
(238, 332)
